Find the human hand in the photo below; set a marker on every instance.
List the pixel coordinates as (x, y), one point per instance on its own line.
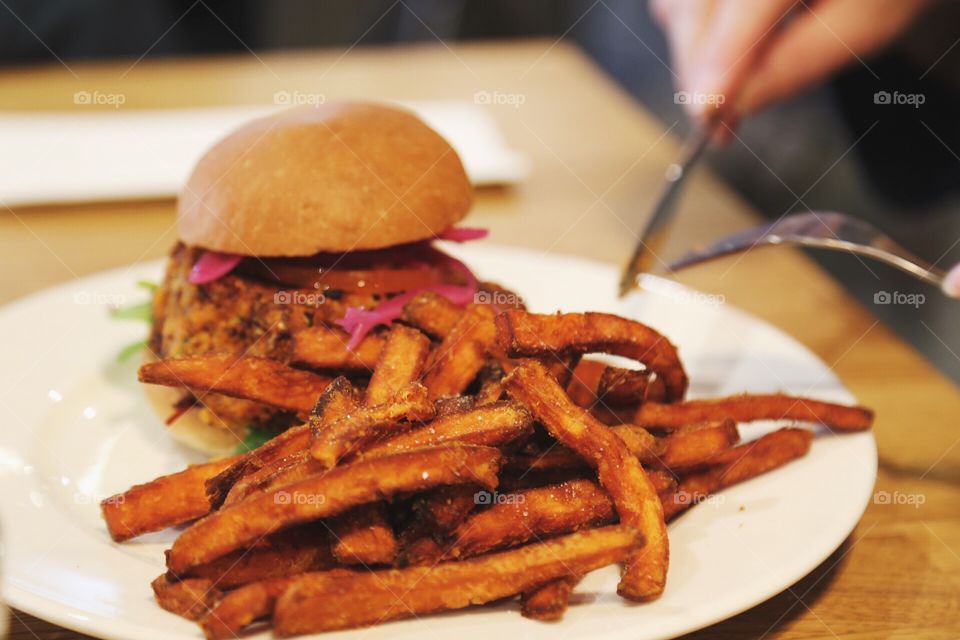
(756, 52)
(951, 284)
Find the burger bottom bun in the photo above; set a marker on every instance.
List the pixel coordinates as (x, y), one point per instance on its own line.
(190, 429)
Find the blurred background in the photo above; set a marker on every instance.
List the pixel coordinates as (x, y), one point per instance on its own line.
(810, 152)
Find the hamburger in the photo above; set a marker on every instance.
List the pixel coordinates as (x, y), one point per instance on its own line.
(316, 215)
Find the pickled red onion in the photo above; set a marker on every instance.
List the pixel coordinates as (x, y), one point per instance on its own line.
(358, 322)
(212, 265)
(463, 234)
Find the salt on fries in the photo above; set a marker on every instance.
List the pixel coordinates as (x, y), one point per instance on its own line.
(477, 454)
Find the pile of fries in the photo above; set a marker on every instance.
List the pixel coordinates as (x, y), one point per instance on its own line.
(459, 457)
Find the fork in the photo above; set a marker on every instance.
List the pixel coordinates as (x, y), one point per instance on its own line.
(822, 230)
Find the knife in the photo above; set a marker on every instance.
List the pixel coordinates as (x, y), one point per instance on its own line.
(654, 234)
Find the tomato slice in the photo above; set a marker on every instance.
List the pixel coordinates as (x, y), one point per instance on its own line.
(382, 280)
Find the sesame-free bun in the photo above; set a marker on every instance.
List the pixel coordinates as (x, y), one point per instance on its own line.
(334, 177)
(190, 429)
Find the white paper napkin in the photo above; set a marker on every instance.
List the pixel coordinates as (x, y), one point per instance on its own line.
(55, 157)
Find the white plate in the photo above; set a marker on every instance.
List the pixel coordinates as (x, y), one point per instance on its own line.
(77, 429)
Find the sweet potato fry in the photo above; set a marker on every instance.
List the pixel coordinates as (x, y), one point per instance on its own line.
(401, 362)
(583, 385)
(739, 464)
(453, 404)
(523, 334)
(490, 391)
(362, 535)
(491, 387)
(686, 449)
(191, 598)
(463, 352)
(618, 470)
(619, 387)
(273, 474)
(247, 377)
(435, 514)
(445, 508)
(638, 441)
(747, 408)
(326, 348)
(161, 503)
(321, 602)
(329, 494)
(561, 368)
(417, 546)
(548, 602)
(518, 474)
(349, 434)
(532, 514)
(261, 466)
(431, 313)
(492, 425)
(241, 607)
(299, 549)
(251, 467)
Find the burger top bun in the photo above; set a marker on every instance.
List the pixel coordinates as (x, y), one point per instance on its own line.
(335, 177)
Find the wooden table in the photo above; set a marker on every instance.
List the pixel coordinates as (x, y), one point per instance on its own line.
(598, 158)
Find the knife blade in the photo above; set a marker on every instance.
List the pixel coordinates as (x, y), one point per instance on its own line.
(654, 234)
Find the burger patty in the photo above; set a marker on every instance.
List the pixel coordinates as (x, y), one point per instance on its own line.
(232, 315)
(238, 314)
